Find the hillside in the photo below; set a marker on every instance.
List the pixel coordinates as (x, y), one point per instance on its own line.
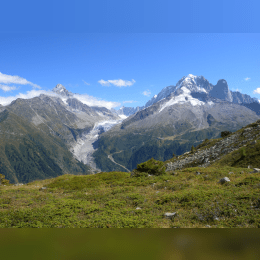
(149, 196)
(27, 153)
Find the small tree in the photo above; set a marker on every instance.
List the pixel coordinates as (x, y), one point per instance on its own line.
(192, 149)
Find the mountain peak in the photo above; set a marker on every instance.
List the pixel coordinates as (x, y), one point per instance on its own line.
(61, 90)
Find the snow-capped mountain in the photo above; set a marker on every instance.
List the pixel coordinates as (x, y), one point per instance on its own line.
(61, 90)
(176, 118)
(198, 84)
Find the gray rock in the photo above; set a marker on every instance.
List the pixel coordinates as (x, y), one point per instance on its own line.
(224, 180)
(43, 188)
(230, 173)
(138, 208)
(170, 215)
(256, 170)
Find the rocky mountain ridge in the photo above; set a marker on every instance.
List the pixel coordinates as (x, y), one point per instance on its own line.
(211, 151)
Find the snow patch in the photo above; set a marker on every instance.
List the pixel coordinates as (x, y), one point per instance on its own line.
(123, 116)
(183, 98)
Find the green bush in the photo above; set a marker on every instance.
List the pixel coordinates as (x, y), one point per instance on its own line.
(225, 133)
(243, 152)
(3, 181)
(151, 167)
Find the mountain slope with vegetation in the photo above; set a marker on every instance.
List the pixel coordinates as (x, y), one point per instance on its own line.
(27, 153)
(150, 196)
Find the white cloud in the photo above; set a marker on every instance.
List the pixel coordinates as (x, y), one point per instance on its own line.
(86, 83)
(257, 91)
(8, 79)
(147, 93)
(104, 83)
(247, 79)
(29, 94)
(130, 101)
(117, 82)
(92, 101)
(86, 99)
(6, 88)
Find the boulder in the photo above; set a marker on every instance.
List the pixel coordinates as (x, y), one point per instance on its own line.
(170, 215)
(224, 180)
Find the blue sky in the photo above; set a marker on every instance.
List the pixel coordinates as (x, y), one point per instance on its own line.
(125, 55)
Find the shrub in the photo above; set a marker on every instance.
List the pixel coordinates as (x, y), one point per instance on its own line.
(192, 149)
(225, 133)
(3, 181)
(151, 167)
(243, 152)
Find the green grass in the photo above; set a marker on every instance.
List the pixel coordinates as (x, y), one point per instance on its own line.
(107, 200)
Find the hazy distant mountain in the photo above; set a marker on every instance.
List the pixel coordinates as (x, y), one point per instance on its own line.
(127, 111)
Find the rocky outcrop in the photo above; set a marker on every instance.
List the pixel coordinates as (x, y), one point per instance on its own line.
(203, 157)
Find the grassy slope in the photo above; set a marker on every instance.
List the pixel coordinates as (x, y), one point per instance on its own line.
(110, 200)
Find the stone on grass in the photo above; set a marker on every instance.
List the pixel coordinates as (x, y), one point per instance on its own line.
(43, 188)
(230, 173)
(170, 215)
(256, 170)
(224, 180)
(138, 208)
